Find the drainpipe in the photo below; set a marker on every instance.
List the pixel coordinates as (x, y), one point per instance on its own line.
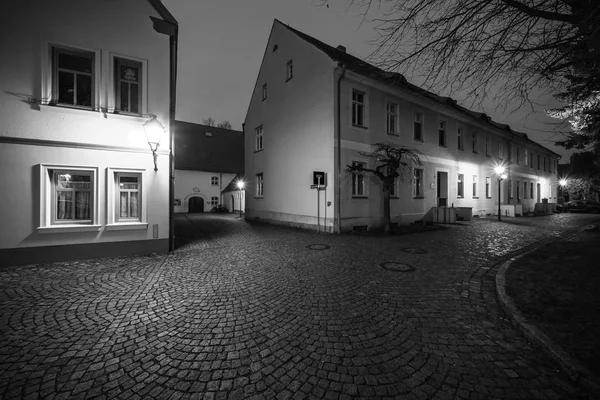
(168, 26)
(338, 188)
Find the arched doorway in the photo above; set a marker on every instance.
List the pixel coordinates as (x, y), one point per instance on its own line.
(196, 204)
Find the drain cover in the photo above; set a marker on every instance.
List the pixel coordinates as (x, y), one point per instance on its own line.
(397, 267)
(413, 250)
(317, 247)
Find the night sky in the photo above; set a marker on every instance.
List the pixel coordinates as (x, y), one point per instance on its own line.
(221, 44)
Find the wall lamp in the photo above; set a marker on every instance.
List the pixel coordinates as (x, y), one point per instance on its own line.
(154, 132)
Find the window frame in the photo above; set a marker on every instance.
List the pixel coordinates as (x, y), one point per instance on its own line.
(214, 201)
(460, 140)
(259, 138)
(488, 187)
(47, 222)
(289, 70)
(475, 144)
(55, 51)
(460, 185)
(442, 138)
(475, 186)
(356, 106)
(214, 180)
(260, 179)
(264, 91)
(418, 184)
(358, 178)
(394, 119)
(394, 191)
(421, 123)
(114, 221)
(117, 61)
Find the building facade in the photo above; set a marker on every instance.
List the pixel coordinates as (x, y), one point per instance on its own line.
(316, 108)
(79, 84)
(207, 161)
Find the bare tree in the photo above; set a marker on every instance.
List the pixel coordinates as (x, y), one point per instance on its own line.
(499, 49)
(208, 121)
(392, 162)
(224, 125)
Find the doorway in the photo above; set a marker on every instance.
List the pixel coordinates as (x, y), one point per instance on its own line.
(196, 204)
(539, 194)
(442, 189)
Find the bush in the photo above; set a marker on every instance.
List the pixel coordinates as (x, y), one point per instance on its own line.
(221, 208)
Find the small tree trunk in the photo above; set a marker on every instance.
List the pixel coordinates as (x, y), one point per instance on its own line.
(386, 210)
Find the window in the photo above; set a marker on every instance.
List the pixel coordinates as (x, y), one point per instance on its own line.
(500, 155)
(418, 183)
(524, 189)
(518, 190)
(531, 190)
(531, 160)
(259, 138)
(128, 92)
(264, 91)
(460, 186)
(214, 181)
(459, 136)
(487, 146)
(538, 161)
(509, 152)
(442, 134)
(259, 185)
(73, 78)
(488, 187)
(518, 155)
(214, 200)
(418, 126)
(393, 192)
(392, 119)
(545, 162)
(129, 197)
(510, 192)
(358, 180)
(358, 108)
(475, 143)
(525, 158)
(475, 181)
(289, 71)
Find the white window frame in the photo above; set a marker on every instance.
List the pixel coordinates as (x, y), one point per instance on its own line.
(442, 134)
(259, 138)
(260, 178)
(391, 120)
(112, 94)
(418, 177)
(214, 201)
(488, 187)
(359, 106)
(460, 139)
(114, 222)
(48, 194)
(214, 181)
(475, 186)
(460, 189)
(418, 118)
(358, 185)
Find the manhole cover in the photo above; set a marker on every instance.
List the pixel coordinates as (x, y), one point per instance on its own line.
(317, 247)
(397, 267)
(413, 250)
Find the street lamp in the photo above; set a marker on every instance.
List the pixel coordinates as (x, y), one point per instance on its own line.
(240, 185)
(562, 182)
(154, 132)
(500, 172)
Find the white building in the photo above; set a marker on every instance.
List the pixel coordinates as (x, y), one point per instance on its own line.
(207, 159)
(79, 80)
(315, 108)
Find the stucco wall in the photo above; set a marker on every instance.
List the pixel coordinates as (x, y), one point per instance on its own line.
(190, 184)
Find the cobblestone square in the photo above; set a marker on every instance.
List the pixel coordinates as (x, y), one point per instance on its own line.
(245, 310)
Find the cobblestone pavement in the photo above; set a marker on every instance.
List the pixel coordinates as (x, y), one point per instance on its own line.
(254, 311)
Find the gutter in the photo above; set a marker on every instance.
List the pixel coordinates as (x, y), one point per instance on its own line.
(169, 26)
(338, 187)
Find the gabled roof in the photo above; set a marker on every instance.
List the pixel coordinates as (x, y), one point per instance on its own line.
(397, 80)
(232, 186)
(207, 148)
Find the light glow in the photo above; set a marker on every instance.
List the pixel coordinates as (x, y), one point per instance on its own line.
(240, 184)
(563, 182)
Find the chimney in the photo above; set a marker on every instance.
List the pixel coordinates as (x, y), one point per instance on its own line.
(341, 48)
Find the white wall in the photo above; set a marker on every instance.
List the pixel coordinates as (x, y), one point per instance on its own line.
(198, 184)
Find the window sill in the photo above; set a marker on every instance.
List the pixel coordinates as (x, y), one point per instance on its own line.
(393, 134)
(258, 151)
(68, 228)
(476, 197)
(419, 197)
(360, 197)
(126, 226)
(418, 140)
(259, 197)
(360, 126)
(460, 197)
(68, 110)
(487, 197)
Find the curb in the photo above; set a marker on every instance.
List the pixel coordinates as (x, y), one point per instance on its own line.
(574, 370)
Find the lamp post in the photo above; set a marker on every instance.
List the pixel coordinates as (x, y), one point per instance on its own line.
(562, 182)
(154, 132)
(501, 175)
(240, 186)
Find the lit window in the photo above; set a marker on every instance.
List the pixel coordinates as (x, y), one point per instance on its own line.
(259, 185)
(73, 78)
(214, 201)
(475, 143)
(475, 181)
(289, 70)
(128, 92)
(214, 180)
(442, 134)
(392, 119)
(460, 186)
(418, 126)
(358, 180)
(129, 198)
(459, 137)
(126, 207)
(418, 183)
(358, 108)
(259, 138)
(488, 187)
(264, 91)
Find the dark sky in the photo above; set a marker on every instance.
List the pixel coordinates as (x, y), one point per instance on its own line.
(221, 44)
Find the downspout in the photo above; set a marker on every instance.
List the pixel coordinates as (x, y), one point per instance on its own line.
(338, 187)
(171, 29)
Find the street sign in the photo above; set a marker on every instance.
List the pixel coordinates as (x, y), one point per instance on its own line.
(319, 178)
(318, 187)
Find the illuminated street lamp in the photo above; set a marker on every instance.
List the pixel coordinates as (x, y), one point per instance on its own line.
(562, 182)
(240, 185)
(500, 172)
(154, 132)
